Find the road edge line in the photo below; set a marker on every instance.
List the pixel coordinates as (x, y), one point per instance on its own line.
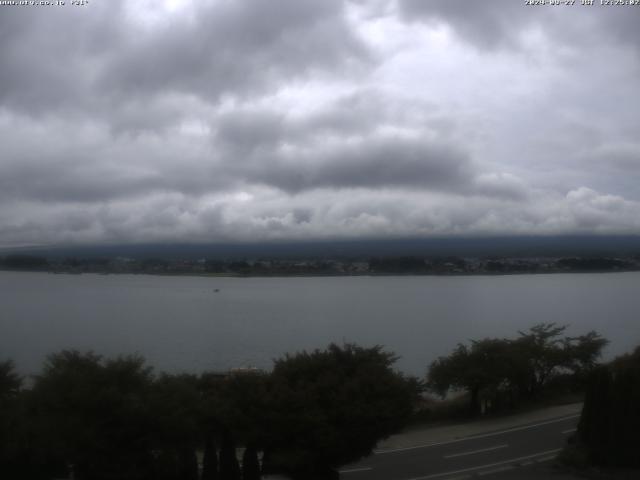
(473, 437)
(480, 467)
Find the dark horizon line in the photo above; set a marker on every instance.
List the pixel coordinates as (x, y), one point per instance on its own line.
(514, 245)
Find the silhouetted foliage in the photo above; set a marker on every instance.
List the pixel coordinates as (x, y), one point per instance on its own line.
(610, 421)
(503, 371)
(240, 267)
(250, 464)
(188, 464)
(477, 369)
(398, 265)
(92, 414)
(238, 404)
(10, 381)
(495, 266)
(229, 466)
(175, 405)
(593, 264)
(99, 419)
(331, 407)
(210, 459)
(215, 266)
(24, 262)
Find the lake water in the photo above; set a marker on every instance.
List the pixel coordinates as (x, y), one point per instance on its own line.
(183, 324)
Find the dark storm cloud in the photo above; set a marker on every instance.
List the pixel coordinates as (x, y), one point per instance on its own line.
(341, 146)
(243, 131)
(373, 163)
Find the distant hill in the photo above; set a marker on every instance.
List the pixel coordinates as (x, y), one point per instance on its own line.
(357, 249)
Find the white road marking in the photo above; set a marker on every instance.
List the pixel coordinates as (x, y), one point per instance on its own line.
(490, 465)
(354, 470)
(488, 449)
(571, 430)
(545, 459)
(496, 470)
(474, 437)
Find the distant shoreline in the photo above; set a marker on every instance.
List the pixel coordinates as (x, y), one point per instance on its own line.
(327, 275)
(324, 266)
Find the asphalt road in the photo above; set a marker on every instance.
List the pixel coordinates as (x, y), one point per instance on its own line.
(486, 455)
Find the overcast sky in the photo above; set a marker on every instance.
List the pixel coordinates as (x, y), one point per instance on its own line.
(251, 120)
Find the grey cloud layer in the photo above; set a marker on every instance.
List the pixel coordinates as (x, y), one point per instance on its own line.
(75, 58)
(250, 120)
(502, 23)
(318, 152)
(235, 47)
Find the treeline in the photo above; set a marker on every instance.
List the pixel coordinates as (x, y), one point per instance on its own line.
(417, 265)
(96, 418)
(24, 262)
(498, 373)
(392, 265)
(610, 422)
(272, 267)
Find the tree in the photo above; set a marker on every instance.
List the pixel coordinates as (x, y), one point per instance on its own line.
(583, 352)
(480, 368)
(25, 262)
(10, 381)
(610, 420)
(502, 370)
(229, 467)
(544, 351)
(237, 403)
(210, 459)
(250, 464)
(543, 354)
(188, 463)
(175, 406)
(93, 414)
(330, 407)
(10, 416)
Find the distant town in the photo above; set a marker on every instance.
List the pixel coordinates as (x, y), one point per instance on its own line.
(396, 265)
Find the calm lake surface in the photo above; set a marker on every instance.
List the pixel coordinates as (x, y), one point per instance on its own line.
(182, 323)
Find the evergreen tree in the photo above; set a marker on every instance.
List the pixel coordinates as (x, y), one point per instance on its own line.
(10, 418)
(166, 466)
(595, 421)
(250, 464)
(229, 467)
(610, 420)
(210, 459)
(188, 464)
